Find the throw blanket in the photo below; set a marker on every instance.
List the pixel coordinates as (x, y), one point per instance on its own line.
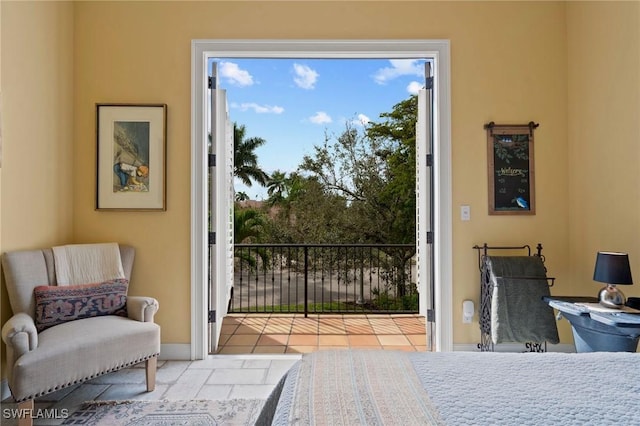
(518, 313)
(87, 263)
(347, 387)
(353, 388)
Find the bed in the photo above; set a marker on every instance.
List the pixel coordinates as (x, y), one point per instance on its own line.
(379, 387)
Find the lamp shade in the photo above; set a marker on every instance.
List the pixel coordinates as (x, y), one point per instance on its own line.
(612, 268)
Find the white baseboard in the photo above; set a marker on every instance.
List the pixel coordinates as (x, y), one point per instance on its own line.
(175, 352)
(512, 347)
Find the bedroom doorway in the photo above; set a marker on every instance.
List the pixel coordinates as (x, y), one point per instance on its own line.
(431, 246)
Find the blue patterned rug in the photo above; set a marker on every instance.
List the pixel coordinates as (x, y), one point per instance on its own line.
(167, 413)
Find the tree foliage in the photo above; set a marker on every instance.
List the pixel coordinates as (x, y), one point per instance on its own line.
(245, 159)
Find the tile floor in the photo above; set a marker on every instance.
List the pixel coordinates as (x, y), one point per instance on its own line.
(255, 352)
(217, 377)
(293, 333)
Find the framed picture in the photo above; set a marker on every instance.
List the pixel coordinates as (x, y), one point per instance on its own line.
(511, 169)
(131, 157)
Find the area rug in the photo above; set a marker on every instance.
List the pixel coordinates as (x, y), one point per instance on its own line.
(167, 413)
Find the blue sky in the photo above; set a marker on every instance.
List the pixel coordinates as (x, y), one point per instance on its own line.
(292, 103)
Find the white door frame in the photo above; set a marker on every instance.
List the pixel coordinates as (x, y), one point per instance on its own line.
(203, 50)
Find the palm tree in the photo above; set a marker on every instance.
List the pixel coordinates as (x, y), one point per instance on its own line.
(277, 187)
(241, 196)
(248, 227)
(245, 160)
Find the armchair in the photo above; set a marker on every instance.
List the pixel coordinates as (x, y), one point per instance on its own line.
(40, 362)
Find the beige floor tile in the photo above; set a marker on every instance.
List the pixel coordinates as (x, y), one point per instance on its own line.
(363, 340)
(412, 328)
(303, 340)
(235, 350)
(330, 329)
(403, 348)
(393, 340)
(355, 321)
(304, 328)
(301, 349)
(272, 349)
(359, 329)
(332, 348)
(417, 339)
(249, 329)
(277, 329)
(228, 328)
(224, 338)
(333, 340)
(243, 340)
(280, 321)
(273, 339)
(386, 329)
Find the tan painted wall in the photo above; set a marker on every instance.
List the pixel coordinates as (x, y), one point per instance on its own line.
(37, 127)
(604, 136)
(509, 63)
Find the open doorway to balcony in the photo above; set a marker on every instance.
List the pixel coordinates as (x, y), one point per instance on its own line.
(437, 53)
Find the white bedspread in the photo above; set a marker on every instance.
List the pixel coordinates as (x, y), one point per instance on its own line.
(87, 263)
(458, 388)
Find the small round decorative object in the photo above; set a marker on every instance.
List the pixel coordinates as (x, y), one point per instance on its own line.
(611, 297)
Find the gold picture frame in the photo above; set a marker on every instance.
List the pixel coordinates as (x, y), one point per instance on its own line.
(131, 157)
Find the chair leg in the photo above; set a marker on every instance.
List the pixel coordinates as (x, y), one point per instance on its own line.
(151, 366)
(25, 408)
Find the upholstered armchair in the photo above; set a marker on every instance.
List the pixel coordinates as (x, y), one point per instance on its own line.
(43, 358)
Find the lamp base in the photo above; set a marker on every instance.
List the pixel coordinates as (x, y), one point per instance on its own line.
(611, 297)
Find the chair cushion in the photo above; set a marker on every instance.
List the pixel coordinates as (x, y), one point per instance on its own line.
(79, 350)
(59, 304)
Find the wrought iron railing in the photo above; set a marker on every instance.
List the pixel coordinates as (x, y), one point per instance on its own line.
(324, 278)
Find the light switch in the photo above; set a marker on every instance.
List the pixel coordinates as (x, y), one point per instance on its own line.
(465, 213)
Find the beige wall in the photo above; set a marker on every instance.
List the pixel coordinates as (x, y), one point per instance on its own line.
(604, 136)
(37, 127)
(510, 63)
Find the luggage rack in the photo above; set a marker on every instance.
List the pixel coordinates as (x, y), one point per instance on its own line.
(486, 294)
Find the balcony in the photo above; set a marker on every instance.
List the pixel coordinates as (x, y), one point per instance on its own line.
(324, 278)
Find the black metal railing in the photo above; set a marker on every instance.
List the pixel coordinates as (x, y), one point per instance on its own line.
(324, 278)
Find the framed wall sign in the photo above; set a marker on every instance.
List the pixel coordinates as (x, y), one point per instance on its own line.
(131, 156)
(511, 169)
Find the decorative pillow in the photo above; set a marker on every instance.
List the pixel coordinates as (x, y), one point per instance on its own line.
(59, 304)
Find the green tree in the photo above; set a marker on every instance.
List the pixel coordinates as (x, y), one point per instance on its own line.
(249, 226)
(245, 160)
(277, 187)
(241, 196)
(374, 171)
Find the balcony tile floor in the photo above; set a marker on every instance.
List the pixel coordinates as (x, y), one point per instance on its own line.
(293, 333)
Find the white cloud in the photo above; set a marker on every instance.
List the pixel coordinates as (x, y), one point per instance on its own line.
(259, 109)
(320, 117)
(414, 87)
(305, 77)
(234, 75)
(361, 120)
(399, 67)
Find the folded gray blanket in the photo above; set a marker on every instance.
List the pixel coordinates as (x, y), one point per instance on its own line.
(518, 313)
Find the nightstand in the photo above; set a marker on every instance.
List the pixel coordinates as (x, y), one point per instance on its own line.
(598, 329)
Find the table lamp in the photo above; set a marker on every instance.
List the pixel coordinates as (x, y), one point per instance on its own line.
(613, 269)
